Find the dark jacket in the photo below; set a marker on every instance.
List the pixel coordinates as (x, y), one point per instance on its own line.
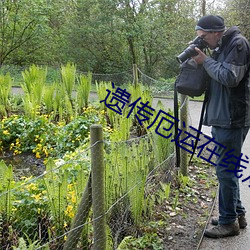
(228, 103)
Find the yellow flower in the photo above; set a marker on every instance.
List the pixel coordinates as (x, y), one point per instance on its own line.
(69, 211)
(31, 186)
(45, 151)
(38, 156)
(73, 199)
(17, 152)
(37, 196)
(6, 132)
(14, 209)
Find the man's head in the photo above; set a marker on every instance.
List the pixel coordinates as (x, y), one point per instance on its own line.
(211, 29)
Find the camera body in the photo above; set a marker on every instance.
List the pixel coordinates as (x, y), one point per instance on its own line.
(190, 51)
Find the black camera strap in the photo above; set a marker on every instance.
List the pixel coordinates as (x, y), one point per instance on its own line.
(176, 115)
(200, 125)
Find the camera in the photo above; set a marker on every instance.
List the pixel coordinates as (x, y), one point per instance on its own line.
(190, 51)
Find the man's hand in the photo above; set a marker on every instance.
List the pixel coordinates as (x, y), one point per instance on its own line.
(200, 58)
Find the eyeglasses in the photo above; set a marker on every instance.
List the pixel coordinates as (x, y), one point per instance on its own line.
(203, 36)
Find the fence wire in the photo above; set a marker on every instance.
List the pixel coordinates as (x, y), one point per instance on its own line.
(43, 211)
(40, 211)
(158, 87)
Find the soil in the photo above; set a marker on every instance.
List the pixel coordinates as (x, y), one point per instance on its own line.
(25, 164)
(187, 222)
(187, 217)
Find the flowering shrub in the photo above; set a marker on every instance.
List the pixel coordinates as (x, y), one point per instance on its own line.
(43, 137)
(49, 203)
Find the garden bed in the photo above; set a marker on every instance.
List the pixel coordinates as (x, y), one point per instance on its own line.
(150, 205)
(178, 220)
(25, 164)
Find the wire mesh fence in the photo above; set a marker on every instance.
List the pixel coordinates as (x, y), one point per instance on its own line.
(159, 87)
(56, 209)
(44, 211)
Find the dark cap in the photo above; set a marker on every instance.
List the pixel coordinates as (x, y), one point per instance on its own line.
(211, 23)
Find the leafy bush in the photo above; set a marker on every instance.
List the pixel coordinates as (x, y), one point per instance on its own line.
(44, 138)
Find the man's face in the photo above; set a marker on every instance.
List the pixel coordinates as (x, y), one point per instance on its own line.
(211, 38)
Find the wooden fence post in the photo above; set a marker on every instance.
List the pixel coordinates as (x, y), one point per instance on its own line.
(80, 218)
(183, 118)
(135, 74)
(98, 195)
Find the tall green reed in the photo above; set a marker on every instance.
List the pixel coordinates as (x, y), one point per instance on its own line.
(83, 91)
(101, 89)
(68, 75)
(5, 90)
(56, 184)
(126, 173)
(33, 86)
(48, 98)
(6, 196)
(162, 146)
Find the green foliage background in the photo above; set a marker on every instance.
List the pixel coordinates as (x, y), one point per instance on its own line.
(107, 36)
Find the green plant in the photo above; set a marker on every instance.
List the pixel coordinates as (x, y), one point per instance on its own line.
(142, 94)
(29, 245)
(23, 134)
(68, 74)
(162, 146)
(48, 98)
(44, 137)
(34, 81)
(102, 92)
(165, 190)
(176, 199)
(126, 172)
(64, 183)
(147, 241)
(56, 187)
(30, 207)
(183, 180)
(5, 90)
(6, 196)
(83, 90)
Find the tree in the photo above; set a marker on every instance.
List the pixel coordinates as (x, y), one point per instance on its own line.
(237, 13)
(103, 36)
(21, 21)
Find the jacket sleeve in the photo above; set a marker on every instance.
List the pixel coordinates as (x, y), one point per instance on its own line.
(234, 66)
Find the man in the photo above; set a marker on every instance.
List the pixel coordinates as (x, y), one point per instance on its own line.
(228, 112)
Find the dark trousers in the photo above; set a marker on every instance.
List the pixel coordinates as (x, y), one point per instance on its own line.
(227, 171)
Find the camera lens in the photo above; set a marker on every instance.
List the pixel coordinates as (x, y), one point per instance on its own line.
(187, 53)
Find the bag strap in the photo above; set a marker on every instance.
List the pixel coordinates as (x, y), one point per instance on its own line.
(176, 115)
